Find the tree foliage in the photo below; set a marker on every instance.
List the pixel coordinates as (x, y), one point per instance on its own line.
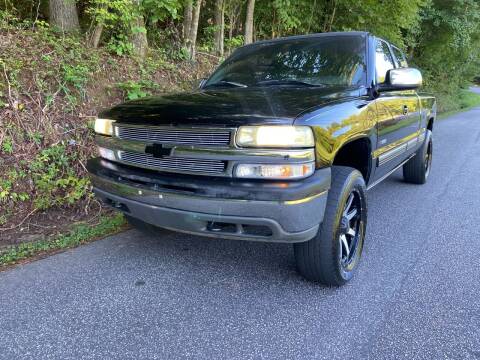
(442, 36)
(448, 44)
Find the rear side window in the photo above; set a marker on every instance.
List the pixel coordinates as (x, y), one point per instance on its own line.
(401, 59)
(383, 60)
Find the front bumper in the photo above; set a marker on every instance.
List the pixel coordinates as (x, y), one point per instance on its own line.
(246, 210)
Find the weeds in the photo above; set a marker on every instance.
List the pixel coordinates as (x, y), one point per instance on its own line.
(7, 145)
(7, 187)
(51, 85)
(80, 234)
(135, 90)
(120, 45)
(54, 179)
(76, 75)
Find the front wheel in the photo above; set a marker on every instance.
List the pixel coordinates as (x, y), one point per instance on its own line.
(333, 255)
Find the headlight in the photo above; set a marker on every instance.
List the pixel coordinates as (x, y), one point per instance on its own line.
(275, 136)
(104, 126)
(264, 171)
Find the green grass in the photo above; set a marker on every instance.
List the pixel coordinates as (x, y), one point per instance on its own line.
(469, 99)
(80, 234)
(466, 100)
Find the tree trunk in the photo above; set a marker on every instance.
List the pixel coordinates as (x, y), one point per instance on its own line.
(139, 36)
(330, 17)
(314, 6)
(231, 25)
(232, 18)
(96, 36)
(63, 15)
(219, 27)
(187, 21)
(249, 22)
(194, 29)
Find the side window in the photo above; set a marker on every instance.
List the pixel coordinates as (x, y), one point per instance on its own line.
(384, 61)
(401, 60)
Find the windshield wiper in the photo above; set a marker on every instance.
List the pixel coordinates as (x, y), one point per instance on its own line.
(226, 83)
(288, 82)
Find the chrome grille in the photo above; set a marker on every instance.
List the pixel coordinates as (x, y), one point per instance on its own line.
(175, 164)
(200, 137)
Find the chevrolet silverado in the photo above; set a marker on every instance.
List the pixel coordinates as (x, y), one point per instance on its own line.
(280, 144)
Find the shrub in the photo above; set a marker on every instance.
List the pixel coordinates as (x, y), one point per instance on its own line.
(54, 179)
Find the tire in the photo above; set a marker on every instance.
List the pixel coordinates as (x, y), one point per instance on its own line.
(324, 258)
(417, 169)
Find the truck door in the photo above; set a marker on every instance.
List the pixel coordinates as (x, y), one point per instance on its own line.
(398, 117)
(412, 103)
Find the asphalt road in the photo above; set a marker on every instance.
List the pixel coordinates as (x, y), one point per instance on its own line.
(416, 295)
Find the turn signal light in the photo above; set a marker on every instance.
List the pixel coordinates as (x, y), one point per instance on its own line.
(269, 171)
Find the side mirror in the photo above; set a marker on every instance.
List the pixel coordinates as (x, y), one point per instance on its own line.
(402, 79)
(202, 83)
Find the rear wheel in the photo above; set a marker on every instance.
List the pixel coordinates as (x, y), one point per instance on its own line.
(333, 255)
(417, 169)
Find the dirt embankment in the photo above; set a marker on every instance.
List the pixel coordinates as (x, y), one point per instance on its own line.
(51, 88)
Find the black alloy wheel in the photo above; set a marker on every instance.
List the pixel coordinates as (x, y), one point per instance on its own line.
(333, 255)
(350, 229)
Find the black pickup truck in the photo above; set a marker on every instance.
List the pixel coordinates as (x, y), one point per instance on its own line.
(280, 144)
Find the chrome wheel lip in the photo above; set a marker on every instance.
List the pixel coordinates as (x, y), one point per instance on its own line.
(350, 229)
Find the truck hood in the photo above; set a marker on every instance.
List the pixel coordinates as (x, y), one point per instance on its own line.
(227, 107)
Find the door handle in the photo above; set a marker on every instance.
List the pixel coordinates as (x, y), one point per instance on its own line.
(405, 109)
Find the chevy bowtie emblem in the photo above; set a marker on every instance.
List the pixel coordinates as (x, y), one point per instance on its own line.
(157, 150)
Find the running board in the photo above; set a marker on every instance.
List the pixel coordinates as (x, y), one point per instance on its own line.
(389, 173)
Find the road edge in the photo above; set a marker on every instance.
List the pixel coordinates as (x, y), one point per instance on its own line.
(447, 114)
(79, 234)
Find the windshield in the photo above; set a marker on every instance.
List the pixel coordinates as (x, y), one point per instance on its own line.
(315, 61)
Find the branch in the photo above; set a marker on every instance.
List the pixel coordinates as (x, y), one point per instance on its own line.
(36, 17)
(207, 54)
(21, 222)
(8, 82)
